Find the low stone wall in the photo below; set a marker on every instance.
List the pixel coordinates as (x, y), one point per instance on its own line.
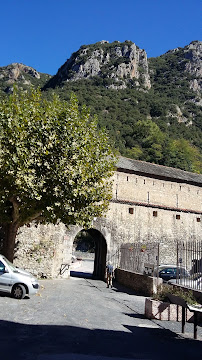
(143, 284)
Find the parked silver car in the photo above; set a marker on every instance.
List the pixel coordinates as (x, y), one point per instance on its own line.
(15, 281)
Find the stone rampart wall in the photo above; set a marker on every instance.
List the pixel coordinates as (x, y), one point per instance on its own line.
(143, 209)
(144, 189)
(143, 226)
(42, 249)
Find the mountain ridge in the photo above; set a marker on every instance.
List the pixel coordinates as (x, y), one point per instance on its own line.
(151, 108)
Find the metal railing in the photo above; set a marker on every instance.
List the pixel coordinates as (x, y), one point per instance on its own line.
(189, 256)
(143, 258)
(138, 257)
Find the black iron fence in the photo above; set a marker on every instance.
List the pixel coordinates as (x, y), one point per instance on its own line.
(189, 256)
(138, 257)
(143, 258)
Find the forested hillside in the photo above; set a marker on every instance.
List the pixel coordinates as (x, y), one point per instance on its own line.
(151, 107)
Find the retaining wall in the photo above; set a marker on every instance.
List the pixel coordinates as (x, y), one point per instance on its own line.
(143, 284)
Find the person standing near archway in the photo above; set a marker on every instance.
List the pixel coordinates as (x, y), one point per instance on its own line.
(109, 274)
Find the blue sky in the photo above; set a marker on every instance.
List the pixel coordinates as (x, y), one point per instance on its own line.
(44, 33)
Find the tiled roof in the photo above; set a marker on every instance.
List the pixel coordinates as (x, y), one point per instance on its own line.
(158, 171)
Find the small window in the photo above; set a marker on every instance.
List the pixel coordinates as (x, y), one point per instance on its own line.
(127, 178)
(131, 210)
(144, 181)
(178, 217)
(155, 213)
(198, 219)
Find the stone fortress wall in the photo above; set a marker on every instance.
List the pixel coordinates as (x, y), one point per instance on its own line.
(146, 209)
(150, 203)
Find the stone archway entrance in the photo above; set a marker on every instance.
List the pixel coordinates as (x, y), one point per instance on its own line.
(100, 251)
(100, 254)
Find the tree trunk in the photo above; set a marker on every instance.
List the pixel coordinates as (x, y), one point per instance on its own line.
(9, 240)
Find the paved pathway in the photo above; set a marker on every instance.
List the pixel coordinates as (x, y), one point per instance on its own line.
(80, 319)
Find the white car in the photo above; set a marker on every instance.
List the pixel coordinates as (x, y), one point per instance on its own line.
(15, 281)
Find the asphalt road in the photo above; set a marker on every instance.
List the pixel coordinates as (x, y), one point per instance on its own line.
(81, 319)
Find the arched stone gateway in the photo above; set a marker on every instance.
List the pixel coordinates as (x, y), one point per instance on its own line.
(99, 247)
(100, 254)
(150, 203)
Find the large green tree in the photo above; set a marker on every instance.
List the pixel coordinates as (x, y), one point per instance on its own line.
(183, 155)
(55, 164)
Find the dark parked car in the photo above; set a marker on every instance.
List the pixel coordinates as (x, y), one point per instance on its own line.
(168, 272)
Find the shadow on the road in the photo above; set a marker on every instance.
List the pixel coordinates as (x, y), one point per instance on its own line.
(30, 342)
(81, 274)
(3, 294)
(136, 316)
(6, 294)
(120, 288)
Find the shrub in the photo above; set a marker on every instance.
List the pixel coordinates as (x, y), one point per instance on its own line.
(164, 290)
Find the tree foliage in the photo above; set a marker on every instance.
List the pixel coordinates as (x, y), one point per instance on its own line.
(124, 112)
(180, 152)
(55, 163)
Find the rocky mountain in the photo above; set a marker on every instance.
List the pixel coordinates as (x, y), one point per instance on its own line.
(193, 53)
(123, 64)
(117, 63)
(150, 107)
(180, 67)
(21, 75)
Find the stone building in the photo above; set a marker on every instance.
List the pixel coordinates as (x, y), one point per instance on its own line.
(150, 203)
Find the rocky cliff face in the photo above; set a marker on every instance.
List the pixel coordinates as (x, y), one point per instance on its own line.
(22, 75)
(193, 53)
(117, 63)
(191, 56)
